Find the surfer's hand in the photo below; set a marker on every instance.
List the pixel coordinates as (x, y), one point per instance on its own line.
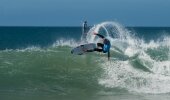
(94, 33)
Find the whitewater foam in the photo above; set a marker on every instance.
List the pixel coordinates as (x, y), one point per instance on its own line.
(123, 74)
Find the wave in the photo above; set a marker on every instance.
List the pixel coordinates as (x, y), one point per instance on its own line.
(146, 68)
(136, 66)
(47, 71)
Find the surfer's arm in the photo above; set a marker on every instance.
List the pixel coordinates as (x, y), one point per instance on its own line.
(99, 35)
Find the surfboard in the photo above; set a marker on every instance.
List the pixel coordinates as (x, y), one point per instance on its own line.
(79, 50)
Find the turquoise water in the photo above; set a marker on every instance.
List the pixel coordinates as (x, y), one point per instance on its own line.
(36, 63)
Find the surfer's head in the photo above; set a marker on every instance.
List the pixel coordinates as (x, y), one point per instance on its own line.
(106, 41)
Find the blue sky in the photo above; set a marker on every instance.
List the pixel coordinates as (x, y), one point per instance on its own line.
(74, 12)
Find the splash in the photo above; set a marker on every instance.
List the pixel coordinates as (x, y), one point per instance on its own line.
(142, 71)
(118, 35)
(109, 29)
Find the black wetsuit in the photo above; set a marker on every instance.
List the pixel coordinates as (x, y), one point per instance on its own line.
(105, 46)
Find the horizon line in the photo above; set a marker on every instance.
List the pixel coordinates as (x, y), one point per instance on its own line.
(66, 26)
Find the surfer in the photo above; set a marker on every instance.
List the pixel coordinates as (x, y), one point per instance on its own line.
(84, 31)
(104, 46)
(85, 27)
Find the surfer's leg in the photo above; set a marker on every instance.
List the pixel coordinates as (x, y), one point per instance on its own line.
(89, 50)
(100, 45)
(97, 49)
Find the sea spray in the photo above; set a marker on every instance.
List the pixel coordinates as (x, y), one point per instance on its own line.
(141, 72)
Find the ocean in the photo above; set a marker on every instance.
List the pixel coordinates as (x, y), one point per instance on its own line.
(36, 63)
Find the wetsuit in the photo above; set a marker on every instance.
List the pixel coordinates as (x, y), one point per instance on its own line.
(105, 46)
